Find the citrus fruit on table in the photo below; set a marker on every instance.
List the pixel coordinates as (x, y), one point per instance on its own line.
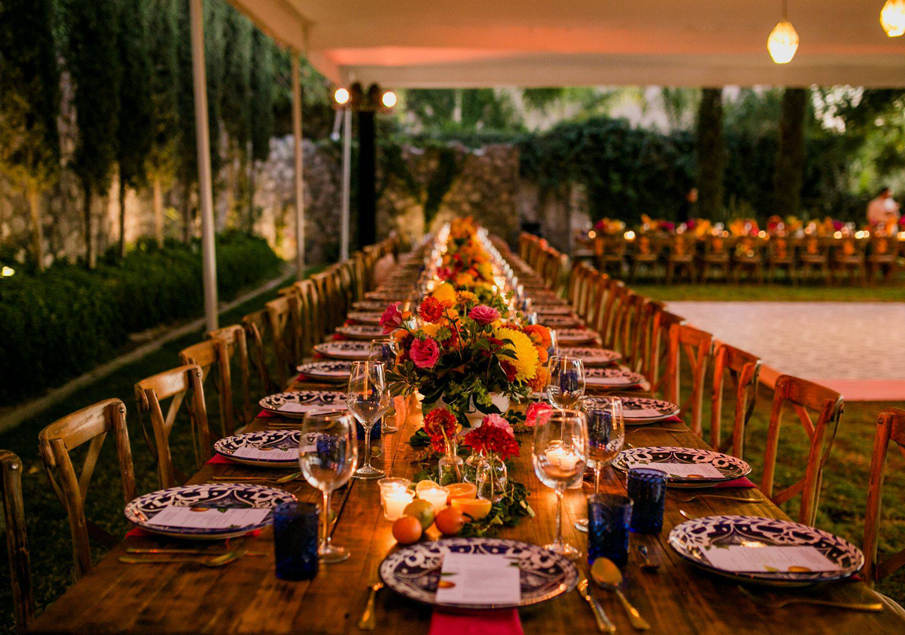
(407, 530)
(425, 485)
(477, 508)
(461, 490)
(422, 511)
(450, 521)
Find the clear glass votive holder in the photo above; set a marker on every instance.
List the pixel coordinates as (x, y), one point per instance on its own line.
(295, 540)
(609, 518)
(395, 496)
(647, 489)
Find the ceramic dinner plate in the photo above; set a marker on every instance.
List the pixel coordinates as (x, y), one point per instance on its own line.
(609, 378)
(370, 305)
(591, 356)
(206, 496)
(546, 310)
(365, 317)
(363, 332)
(414, 571)
(728, 466)
(260, 443)
(643, 410)
(295, 405)
(693, 539)
(558, 321)
(354, 351)
(387, 296)
(575, 336)
(332, 372)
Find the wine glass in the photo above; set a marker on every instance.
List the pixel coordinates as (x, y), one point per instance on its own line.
(560, 458)
(368, 399)
(606, 434)
(328, 452)
(384, 349)
(554, 346)
(566, 384)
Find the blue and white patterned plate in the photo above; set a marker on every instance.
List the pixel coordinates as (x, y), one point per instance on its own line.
(295, 404)
(262, 442)
(388, 295)
(575, 336)
(414, 571)
(644, 410)
(590, 356)
(333, 372)
(546, 310)
(558, 321)
(365, 332)
(366, 317)
(730, 467)
(370, 305)
(612, 378)
(207, 496)
(692, 540)
(354, 351)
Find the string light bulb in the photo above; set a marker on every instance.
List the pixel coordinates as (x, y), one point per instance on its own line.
(892, 17)
(783, 40)
(341, 96)
(389, 99)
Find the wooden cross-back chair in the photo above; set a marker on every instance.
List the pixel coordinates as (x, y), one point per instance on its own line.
(626, 337)
(310, 315)
(90, 425)
(595, 287)
(803, 396)
(283, 316)
(17, 540)
(890, 427)
(615, 303)
(743, 370)
(524, 245)
(658, 349)
(175, 384)
(325, 283)
(258, 338)
(882, 256)
(578, 277)
(697, 345)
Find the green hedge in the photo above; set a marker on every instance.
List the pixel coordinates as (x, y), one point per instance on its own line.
(67, 320)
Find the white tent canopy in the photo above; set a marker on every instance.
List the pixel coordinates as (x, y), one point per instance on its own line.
(476, 43)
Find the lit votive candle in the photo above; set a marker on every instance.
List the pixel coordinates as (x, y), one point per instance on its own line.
(395, 496)
(436, 496)
(564, 459)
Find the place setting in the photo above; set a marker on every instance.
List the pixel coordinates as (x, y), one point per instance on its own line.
(599, 379)
(332, 372)
(348, 350)
(365, 317)
(575, 336)
(591, 357)
(363, 332)
(297, 404)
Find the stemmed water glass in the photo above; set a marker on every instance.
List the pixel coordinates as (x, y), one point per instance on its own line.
(606, 434)
(368, 399)
(328, 452)
(560, 458)
(566, 384)
(384, 349)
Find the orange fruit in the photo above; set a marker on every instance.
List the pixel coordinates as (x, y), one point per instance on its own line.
(407, 530)
(461, 490)
(422, 511)
(450, 521)
(477, 508)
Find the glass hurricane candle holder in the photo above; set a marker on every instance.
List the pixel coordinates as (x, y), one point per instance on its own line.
(394, 496)
(436, 496)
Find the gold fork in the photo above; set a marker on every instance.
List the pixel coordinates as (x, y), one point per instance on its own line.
(257, 479)
(219, 561)
(738, 499)
(368, 621)
(870, 607)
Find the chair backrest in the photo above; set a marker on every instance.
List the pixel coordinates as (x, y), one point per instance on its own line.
(658, 343)
(743, 370)
(626, 336)
(174, 384)
(803, 396)
(697, 345)
(237, 347)
(614, 293)
(258, 338)
(890, 427)
(284, 317)
(17, 540)
(89, 425)
(205, 355)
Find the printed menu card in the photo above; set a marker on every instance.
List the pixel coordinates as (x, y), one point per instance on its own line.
(468, 578)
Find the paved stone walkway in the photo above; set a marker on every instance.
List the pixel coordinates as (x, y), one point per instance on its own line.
(856, 348)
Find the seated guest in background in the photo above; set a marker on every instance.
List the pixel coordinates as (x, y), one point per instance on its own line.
(883, 210)
(688, 208)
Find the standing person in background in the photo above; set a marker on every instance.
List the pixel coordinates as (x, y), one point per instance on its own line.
(883, 210)
(689, 207)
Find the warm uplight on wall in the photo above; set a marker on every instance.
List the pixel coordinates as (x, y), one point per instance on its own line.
(892, 17)
(783, 40)
(389, 99)
(341, 96)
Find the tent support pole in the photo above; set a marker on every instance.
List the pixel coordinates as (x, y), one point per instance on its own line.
(299, 165)
(367, 177)
(347, 183)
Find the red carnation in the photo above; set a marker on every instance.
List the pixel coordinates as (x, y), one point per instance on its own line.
(490, 438)
(440, 426)
(509, 369)
(431, 310)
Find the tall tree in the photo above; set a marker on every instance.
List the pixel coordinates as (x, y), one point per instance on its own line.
(96, 71)
(135, 135)
(711, 153)
(161, 163)
(790, 153)
(261, 110)
(29, 105)
(236, 104)
(187, 160)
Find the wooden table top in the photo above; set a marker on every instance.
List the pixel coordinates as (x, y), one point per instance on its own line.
(247, 597)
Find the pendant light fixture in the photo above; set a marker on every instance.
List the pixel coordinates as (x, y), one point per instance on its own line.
(892, 17)
(783, 40)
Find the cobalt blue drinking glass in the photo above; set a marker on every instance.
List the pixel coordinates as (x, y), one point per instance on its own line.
(295, 540)
(647, 489)
(608, 528)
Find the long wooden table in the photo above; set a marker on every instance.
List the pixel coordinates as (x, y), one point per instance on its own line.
(247, 597)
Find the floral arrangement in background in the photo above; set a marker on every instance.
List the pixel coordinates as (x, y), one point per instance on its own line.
(466, 263)
(609, 226)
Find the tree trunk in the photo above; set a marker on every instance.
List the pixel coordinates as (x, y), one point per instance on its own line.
(37, 229)
(122, 218)
(89, 247)
(710, 154)
(158, 210)
(790, 153)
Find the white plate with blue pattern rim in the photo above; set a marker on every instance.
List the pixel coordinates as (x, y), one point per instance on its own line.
(559, 321)
(371, 305)
(205, 495)
(591, 356)
(547, 310)
(333, 371)
(295, 405)
(365, 317)
(729, 466)
(692, 538)
(354, 351)
(633, 406)
(610, 378)
(388, 296)
(263, 441)
(364, 332)
(414, 571)
(575, 336)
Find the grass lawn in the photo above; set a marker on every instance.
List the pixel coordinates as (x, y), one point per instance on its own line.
(721, 292)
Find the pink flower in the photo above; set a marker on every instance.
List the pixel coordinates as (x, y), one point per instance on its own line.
(483, 314)
(444, 273)
(534, 410)
(425, 353)
(499, 422)
(391, 318)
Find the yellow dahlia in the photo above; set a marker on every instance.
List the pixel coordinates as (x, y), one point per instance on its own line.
(446, 294)
(526, 361)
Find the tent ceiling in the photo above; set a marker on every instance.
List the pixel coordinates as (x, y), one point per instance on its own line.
(469, 43)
